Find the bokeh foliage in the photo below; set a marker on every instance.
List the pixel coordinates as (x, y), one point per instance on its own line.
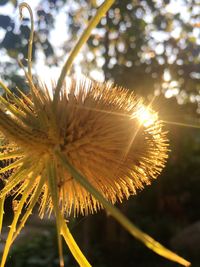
(136, 45)
(136, 39)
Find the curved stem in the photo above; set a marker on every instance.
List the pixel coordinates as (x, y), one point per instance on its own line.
(30, 44)
(123, 220)
(14, 222)
(83, 39)
(62, 228)
(75, 250)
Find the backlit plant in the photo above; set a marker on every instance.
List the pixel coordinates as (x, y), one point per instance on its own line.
(83, 148)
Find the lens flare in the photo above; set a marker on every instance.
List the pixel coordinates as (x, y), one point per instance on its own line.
(146, 116)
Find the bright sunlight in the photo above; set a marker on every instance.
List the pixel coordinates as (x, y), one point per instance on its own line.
(146, 116)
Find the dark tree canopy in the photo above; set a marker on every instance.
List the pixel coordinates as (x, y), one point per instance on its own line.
(158, 40)
(151, 47)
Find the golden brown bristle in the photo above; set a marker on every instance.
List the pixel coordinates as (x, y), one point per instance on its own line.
(99, 129)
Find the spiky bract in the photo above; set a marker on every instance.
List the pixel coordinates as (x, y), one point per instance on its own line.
(97, 127)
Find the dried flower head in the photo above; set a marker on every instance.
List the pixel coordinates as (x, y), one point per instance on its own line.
(99, 128)
(105, 132)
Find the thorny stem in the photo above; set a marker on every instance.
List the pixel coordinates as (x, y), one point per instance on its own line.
(62, 228)
(14, 223)
(54, 195)
(126, 223)
(30, 43)
(83, 39)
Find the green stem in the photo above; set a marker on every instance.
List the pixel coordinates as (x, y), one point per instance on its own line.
(62, 228)
(123, 220)
(1, 212)
(75, 250)
(83, 39)
(55, 200)
(14, 222)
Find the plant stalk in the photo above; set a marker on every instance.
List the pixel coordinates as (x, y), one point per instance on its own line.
(83, 39)
(123, 220)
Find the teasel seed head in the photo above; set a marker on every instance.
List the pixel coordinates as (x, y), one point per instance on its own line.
(106, 133)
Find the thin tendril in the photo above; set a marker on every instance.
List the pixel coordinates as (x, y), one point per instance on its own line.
(30, 43)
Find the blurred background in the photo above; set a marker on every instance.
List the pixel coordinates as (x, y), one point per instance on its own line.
(153, 48)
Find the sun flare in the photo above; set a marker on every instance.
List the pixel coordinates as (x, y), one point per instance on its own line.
(64, 146)
(146, 116)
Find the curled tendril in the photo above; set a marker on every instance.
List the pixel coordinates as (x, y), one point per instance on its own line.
(30, 44)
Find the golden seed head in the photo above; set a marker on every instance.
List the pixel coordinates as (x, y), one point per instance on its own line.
(104, 131)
